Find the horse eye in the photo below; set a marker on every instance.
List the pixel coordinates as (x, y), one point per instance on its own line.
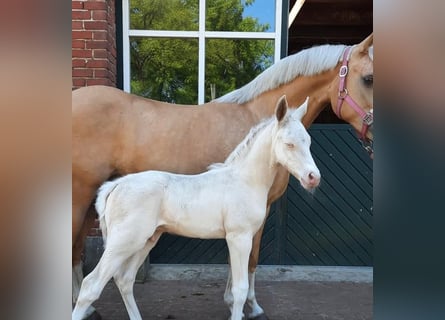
(368, 80)
(290, 145)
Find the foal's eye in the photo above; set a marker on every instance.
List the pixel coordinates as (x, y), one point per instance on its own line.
(368, 80)
(290, 145)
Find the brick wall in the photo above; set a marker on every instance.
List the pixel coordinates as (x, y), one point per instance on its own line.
(93, 43)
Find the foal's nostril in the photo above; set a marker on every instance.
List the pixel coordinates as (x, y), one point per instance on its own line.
(313, 179)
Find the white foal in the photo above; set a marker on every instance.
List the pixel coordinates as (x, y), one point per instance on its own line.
(228, 201)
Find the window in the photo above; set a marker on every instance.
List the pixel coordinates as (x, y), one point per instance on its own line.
(190, 51)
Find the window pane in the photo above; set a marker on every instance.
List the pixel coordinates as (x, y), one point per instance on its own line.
(165, 69)
(240, 15)
(230, 64)
(164, 15)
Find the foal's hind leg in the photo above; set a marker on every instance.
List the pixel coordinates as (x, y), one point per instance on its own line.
(121, 244)
(126, 276)
(94, 283)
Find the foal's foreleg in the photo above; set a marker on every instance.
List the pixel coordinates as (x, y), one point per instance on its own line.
(126, 276)
(257, 312)
(239, 248)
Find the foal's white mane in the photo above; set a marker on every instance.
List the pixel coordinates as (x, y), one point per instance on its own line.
(307, 62)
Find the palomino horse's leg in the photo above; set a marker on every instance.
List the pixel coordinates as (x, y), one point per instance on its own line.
(257, 312)
(83, 221)
(228, 297)
(126, 276)
(239, 248)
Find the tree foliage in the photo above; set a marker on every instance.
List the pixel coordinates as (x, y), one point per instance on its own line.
(166, 69)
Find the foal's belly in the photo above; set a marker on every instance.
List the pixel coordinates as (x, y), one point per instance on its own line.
(194, 224)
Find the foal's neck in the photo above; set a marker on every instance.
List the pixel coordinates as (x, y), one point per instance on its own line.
(259, 165)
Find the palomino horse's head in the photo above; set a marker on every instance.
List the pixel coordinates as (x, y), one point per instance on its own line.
(352, 94)
(291, 144)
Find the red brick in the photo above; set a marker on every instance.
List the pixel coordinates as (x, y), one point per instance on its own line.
(79, 83)
(81, 35)
(101, 73)
(95, 5)
(111, 59)
(81, 73)
(102, 63)
(95, 25)
(80, 53)
(78, 63)
(80, 15)
(76, 4)
(94, 44)
(77, 25)
(112, 77)
(113, 52)
(113, 68)
(78, 44)
(93, 82)
(100, 35)
(100, 53)
(100, 15)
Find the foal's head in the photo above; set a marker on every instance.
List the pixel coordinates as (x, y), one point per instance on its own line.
(291, 144)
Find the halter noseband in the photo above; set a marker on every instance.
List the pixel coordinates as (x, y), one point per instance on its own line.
(367, 117)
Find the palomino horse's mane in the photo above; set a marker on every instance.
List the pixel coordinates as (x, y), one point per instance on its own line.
(307, 62)
(242, 149)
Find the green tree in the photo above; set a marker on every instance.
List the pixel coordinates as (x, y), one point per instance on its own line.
(167, 69)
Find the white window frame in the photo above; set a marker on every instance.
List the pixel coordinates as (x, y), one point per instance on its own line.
(201, 35)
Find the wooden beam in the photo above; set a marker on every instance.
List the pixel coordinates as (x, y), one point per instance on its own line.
(294, 11)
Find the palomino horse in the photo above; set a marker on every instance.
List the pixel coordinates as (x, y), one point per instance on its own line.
(116, 133)
(227, 202)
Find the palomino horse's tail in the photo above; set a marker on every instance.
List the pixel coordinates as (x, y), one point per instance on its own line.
(101, 204)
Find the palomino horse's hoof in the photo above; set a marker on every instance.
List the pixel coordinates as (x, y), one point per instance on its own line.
(94, 316)
(260, 317)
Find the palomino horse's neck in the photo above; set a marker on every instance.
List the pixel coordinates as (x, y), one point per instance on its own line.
(318, 88)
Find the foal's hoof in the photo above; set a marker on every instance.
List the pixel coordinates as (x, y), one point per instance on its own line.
(260, 317)
(94, 316)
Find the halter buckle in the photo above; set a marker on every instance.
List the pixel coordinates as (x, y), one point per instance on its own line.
(343, 71)
(342, 94)
(368, 145)
(368, 119)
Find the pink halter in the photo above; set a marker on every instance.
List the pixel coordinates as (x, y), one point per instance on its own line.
(367, 117)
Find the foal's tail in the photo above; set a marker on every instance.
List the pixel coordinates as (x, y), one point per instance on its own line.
(101, 204)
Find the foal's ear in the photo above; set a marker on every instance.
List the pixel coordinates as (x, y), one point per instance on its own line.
(281, 108)
(302, 109)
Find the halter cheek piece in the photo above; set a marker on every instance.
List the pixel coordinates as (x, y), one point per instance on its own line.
(367, 117)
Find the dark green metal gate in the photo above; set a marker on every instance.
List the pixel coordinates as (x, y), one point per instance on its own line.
(333, 226)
